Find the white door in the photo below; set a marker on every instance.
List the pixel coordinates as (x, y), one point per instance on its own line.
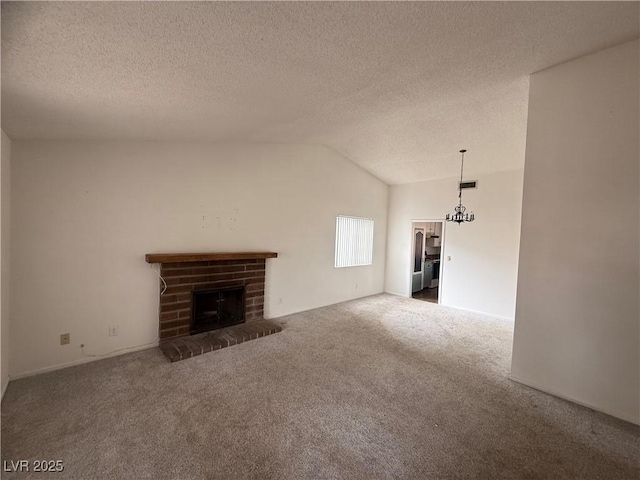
(418, 259)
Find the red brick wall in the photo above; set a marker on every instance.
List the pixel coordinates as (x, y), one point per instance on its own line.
(184, 278)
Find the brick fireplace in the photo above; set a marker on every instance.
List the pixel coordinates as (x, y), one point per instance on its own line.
(230, 286)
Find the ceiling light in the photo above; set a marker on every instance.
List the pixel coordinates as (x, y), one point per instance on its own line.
(460, 217)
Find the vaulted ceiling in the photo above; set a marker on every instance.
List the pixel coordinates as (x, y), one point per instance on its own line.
(396, 87)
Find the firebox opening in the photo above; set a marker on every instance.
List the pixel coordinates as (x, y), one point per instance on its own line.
(213, 309)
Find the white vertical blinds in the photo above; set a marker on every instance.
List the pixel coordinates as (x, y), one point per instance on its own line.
(354, 241)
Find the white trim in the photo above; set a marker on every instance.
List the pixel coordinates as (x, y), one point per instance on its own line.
(489, 314)
(442, 257)
(549, 391)
(442, 250)
(4, 389)
(80, 361)
(404, 295)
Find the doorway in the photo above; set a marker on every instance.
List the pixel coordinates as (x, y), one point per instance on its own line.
(426, 255)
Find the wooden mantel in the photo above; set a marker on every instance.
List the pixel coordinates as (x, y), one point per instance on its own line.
(204, 257)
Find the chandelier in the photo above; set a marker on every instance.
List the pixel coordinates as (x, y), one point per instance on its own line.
(460, 217)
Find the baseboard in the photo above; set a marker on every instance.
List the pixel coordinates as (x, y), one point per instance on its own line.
(80, 361)
(398, 294)
(501, 317)
(4, 388)
(621, 416)
(480, 312)
(270, 316)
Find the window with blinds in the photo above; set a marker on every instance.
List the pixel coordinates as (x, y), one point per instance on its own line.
(354, 241)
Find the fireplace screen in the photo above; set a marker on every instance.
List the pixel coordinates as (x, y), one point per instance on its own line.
(213, 309)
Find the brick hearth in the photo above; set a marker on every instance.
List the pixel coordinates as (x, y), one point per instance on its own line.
(182, 348)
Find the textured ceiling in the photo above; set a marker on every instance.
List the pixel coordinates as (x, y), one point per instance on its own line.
(398, 88)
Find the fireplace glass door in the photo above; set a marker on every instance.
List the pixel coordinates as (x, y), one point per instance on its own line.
(213, 309)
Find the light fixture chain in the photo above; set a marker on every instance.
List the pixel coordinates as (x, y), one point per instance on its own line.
(460, 184)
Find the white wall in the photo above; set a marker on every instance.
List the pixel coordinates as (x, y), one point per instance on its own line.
(5, 194)
(482, 273)
(577, 326)
(85, 214)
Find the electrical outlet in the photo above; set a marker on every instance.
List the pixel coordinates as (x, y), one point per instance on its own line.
(113, 330)
(65, 339)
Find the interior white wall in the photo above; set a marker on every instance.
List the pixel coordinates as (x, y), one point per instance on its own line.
(5, 201)
(85, 214)
(577, 329)
(481, 275)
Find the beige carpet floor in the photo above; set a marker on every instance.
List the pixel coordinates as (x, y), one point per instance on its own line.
(377, 388)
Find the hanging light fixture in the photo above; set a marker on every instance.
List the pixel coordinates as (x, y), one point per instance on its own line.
(460, 217)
